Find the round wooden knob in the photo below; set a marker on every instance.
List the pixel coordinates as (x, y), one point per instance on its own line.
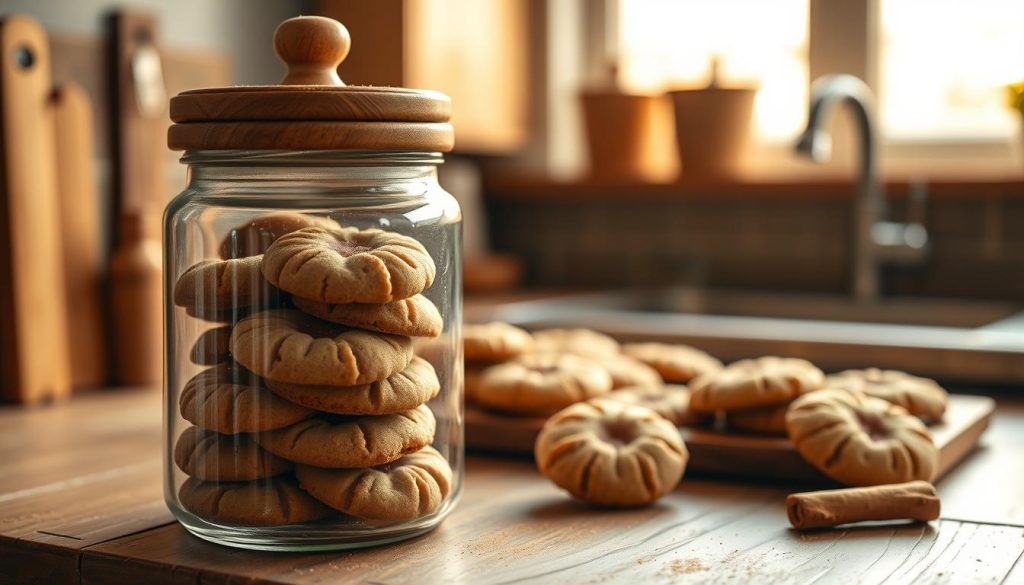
(312, 47)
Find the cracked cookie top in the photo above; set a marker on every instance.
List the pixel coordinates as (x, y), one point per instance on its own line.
(411, 487)
(348, 265)
(611, 453)
(541, 383)
(860, 440)
(920, 396)
(230, 400)
(352, 441)
(754, 383)
(286, 345)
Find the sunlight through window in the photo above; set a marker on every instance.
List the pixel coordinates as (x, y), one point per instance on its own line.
(944, 65)
(669, 44)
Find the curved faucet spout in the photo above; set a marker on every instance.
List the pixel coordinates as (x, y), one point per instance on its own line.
(827, 93)
(815, 142)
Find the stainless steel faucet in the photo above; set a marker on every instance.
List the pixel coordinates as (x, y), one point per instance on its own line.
(876, 241)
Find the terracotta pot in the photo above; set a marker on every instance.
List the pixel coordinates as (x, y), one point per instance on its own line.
(628, 136)
(712, 129)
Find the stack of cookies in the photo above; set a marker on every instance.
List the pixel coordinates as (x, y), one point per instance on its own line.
(314, 403)
(512, 371)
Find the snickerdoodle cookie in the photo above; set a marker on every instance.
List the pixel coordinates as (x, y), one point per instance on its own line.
(676, 363)
(212, 456)
(213, 288)
(268, 502)
(671, 401)
(212, 346)
(627, 372)
(290, 346)
(611, 453)
(415, 316)
(494, 342)
(860, 440)
(582, 342)
(255, 236)
(230, 400)
(767, 420)
(411, 487)
(411, 387)
(349, 265)
(754, 383)
(541, 383)
(352, 441)
(920, 396)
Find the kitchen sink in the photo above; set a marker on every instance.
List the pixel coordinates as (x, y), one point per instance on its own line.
(953, 340)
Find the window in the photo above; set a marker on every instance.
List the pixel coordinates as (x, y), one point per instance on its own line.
(667, 44)
(944, 65)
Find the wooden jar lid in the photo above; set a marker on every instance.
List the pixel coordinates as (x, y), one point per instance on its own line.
(312, 108)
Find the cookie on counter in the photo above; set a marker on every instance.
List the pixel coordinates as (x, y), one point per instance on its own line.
(611, 453)
(494, 342)
(539, 384)
(921, 397)
(231, 400)
(268, 502)
(579, 341)
(754, 383)
(671, 401)
(860, 440)
(286, 345)
(411, 487)
(348, 265)
(678, 364)
(627, 372)
(212, 456)
(415, 316)
(404, 390)
(352, 441)
(253, 237)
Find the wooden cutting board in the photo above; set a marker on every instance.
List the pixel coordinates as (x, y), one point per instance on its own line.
(34, 362)
(715, 452)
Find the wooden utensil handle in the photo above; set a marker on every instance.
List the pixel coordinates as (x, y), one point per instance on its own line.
(33, 327)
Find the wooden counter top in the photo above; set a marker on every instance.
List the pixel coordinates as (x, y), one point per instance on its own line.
(80, 501)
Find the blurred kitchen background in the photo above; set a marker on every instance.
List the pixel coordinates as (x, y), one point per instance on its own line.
(641, 145)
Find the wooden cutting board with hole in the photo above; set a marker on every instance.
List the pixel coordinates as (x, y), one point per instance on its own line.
(34, 362)
(728, 454)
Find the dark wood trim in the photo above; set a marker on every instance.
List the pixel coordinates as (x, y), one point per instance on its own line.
(505, 185)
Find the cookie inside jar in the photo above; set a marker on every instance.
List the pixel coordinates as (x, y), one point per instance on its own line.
(313, 309)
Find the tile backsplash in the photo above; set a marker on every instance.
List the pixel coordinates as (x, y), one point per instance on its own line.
(759, 241)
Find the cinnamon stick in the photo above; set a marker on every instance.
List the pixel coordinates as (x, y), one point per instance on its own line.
(915, 500)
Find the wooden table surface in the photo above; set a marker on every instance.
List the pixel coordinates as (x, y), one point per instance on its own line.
(80, 501)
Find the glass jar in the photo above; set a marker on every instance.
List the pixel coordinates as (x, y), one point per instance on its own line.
(252, 428)
(313, 309)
